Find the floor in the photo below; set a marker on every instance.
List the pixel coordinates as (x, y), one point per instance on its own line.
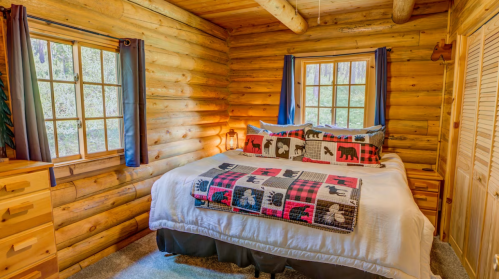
(142, 259)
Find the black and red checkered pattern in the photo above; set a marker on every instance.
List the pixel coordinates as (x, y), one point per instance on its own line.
(303, 190)
(319, 200)
(299, 134)
(227, 179)
(369, 154)
(282, 134)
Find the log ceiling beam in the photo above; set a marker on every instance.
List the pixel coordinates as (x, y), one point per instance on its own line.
(285, 13)
(402, 10)
(172, 11)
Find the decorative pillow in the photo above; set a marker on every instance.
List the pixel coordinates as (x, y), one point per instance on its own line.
(253, 130)
(285, 144)
(347, 131)
(274, 128)
(351, 150)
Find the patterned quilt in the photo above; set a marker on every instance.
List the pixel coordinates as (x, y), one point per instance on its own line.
(327, 202)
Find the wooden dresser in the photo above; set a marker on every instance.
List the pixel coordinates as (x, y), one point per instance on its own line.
(27, 243)
(426, 190)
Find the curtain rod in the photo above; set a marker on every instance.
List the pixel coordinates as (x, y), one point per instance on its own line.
(5, 10)
(297, 57)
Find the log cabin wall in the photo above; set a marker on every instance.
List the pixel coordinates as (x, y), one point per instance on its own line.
(415, 83)
(101, 206)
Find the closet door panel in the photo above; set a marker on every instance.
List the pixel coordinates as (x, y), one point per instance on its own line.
(466, 145)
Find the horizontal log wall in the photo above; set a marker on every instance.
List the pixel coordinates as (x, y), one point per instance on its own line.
(101, 206)
(415, 83)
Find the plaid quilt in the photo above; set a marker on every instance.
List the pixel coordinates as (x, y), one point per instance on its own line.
(327, 202)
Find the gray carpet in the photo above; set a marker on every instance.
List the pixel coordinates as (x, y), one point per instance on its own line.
(142, 259)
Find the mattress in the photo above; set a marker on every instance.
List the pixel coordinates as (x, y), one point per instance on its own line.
(392, 237)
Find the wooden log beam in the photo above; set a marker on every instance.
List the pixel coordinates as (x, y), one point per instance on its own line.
(157, 120)
(171, 134)
(156, 74)
(157, 105)
(242, 122)
(255, 87)
(167, 150)
(257, 75)
(182, 90)
(256, 110)
(172, 11)
(402, 10)
(254, 98)
(285, 13)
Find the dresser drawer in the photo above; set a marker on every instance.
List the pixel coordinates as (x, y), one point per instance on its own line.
(13, 186)
(431, 215)
(424, 185)
(26, 248)
(25, 212)
(47, 269)
(426, 200)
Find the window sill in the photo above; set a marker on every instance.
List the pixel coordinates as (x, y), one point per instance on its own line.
(81, 166)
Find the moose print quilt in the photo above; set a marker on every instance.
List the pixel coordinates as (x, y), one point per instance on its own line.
(328, 202)
(326, 148)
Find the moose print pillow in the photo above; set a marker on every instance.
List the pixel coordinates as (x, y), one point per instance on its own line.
(350, 150)
(284, 145)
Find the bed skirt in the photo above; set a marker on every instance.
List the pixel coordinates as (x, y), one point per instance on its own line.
(189, 244)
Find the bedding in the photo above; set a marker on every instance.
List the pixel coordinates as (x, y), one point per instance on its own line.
(275, 128)
(327, 148)
(285, 144)
(318, 200)
(392, 237)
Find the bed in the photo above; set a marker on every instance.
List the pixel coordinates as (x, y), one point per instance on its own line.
(392, 237)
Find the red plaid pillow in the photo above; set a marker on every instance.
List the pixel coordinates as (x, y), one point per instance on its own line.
(285, 144)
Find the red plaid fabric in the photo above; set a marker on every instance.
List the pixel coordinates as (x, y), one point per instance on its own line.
(343, 138)
(303, 190)
(308, 160)
(369, 154)
(299, 134)
(329, 137)
(227, 179)
(267, 171)
(272, 212)
(282, 134)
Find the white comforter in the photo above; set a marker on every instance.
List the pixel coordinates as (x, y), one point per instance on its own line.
(392, 237)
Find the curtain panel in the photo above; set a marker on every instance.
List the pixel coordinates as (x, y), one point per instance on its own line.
(134, 101)
(29, 123)
(381, 85)
(287, 101)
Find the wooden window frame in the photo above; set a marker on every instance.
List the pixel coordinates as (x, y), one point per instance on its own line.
(77, 39)
(300, 85)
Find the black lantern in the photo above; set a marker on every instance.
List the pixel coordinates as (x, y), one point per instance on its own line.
(230, 138)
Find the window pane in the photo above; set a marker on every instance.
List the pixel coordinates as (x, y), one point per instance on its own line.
(40, 53)
(46, 98)
(311, 115)
(111, 67)
(65, 100)
(67, 138)
(358, 95)
(327, 74)
(356, 118)
(95, 136)
(343, 73)
(62, 61)
(325, 115)
(326, 96)
(341, 117)
(114, 133)
(93, 100)
(49, 126)
(91, 64)
(113, 101)
(312, 74)
(359, 72)
(312, 96)
(342, 96)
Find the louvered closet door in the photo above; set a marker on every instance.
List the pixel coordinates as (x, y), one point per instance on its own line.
(465, 152)
(490, 80)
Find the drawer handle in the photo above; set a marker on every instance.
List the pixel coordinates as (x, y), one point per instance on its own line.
(421, 186)
(25, 206)
(16, 186)
(33, 275)
(23, 244)
(422, 198)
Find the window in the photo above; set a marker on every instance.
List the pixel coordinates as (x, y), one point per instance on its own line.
(81, 101)
(337, 91)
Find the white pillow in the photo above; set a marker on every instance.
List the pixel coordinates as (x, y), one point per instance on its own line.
(274, 128)
(347, 131)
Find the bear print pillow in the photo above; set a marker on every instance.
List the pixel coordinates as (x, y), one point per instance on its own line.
(350, 150)
(285, 145)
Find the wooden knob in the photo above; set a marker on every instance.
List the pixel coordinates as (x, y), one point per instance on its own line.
(24, 244)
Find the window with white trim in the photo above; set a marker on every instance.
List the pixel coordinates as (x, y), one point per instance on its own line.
(81, 98)
(336, 90)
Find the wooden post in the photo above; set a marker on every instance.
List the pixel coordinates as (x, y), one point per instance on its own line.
(402, 10)
(285, 13)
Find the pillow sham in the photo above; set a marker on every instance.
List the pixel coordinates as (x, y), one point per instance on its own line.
(347, 131)
(274, 128)
(285, 144)
(253, 130)
(351, 150)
